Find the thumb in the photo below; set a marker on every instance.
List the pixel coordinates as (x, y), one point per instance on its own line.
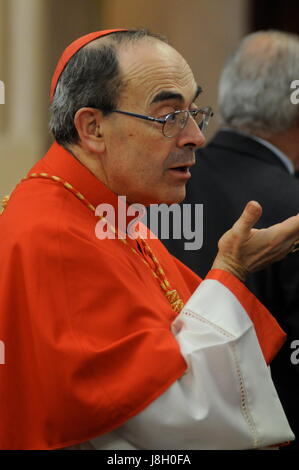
(249, 217)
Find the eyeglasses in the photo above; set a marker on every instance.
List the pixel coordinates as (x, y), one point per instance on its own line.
(174, 122)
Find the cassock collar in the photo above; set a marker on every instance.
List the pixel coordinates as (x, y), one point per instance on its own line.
(60, 162)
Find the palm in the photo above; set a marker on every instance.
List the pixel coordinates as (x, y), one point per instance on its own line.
(244, 249)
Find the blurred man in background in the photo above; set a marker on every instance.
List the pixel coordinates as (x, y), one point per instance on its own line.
(255, 156)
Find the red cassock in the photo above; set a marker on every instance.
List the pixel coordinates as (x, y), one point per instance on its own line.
(85, 325)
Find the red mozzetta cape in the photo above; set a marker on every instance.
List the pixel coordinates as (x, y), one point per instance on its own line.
(85, 325)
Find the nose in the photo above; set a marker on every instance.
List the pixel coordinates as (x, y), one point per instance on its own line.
(191, 136)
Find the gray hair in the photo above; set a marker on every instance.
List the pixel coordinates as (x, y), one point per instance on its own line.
(92, 78)
(254, 88)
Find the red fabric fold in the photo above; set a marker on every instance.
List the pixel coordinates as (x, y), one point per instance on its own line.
(86, 326)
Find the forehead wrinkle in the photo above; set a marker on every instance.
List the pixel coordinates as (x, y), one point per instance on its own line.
(159, 71)
(147, 68)
(152, 79)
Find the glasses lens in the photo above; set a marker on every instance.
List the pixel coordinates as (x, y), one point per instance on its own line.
(174, 122)
(202, 117)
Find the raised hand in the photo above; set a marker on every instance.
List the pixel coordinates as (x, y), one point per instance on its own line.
(243, 249)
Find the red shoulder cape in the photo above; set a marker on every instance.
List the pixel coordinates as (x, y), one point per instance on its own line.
(85, 325)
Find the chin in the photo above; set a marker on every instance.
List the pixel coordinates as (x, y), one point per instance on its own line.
(175, 199)
(171, 200)
(168, 198)
(167, 201)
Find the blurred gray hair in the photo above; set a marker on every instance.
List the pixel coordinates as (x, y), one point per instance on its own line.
(254, 88)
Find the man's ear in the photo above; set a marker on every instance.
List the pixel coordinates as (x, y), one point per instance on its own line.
(88, 123)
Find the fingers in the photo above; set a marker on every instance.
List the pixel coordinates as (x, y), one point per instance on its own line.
(290, 227)
(287, 231)
(248, 218)
(295, 247)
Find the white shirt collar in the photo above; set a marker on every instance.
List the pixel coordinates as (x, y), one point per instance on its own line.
(282, 156)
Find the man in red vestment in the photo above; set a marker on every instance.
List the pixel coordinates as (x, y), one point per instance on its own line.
(113, 343)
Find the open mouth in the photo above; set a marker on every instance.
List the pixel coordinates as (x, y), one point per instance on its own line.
(181, 169)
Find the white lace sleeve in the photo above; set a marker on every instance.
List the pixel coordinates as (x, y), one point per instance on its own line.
(225, 400)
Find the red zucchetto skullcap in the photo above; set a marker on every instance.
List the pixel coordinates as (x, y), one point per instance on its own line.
(72, 49)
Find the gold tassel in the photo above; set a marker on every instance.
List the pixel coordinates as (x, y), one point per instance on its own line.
(176, 303)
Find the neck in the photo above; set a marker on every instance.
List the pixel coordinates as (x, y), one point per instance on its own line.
(91, 161)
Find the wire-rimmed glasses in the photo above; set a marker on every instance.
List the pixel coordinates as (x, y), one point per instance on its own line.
(174, 122)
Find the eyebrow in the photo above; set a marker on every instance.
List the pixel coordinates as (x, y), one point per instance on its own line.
(170, 95)
(198, 92)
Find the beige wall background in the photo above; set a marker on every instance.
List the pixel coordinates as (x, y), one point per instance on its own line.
(33, 34)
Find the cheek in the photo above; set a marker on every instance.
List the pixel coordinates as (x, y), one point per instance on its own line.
(138, 153)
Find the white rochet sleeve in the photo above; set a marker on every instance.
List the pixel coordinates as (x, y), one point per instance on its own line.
(225, 399)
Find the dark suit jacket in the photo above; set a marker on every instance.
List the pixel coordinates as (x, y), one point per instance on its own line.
(231, 170)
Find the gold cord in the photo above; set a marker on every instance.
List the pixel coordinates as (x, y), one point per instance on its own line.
(158, 273)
